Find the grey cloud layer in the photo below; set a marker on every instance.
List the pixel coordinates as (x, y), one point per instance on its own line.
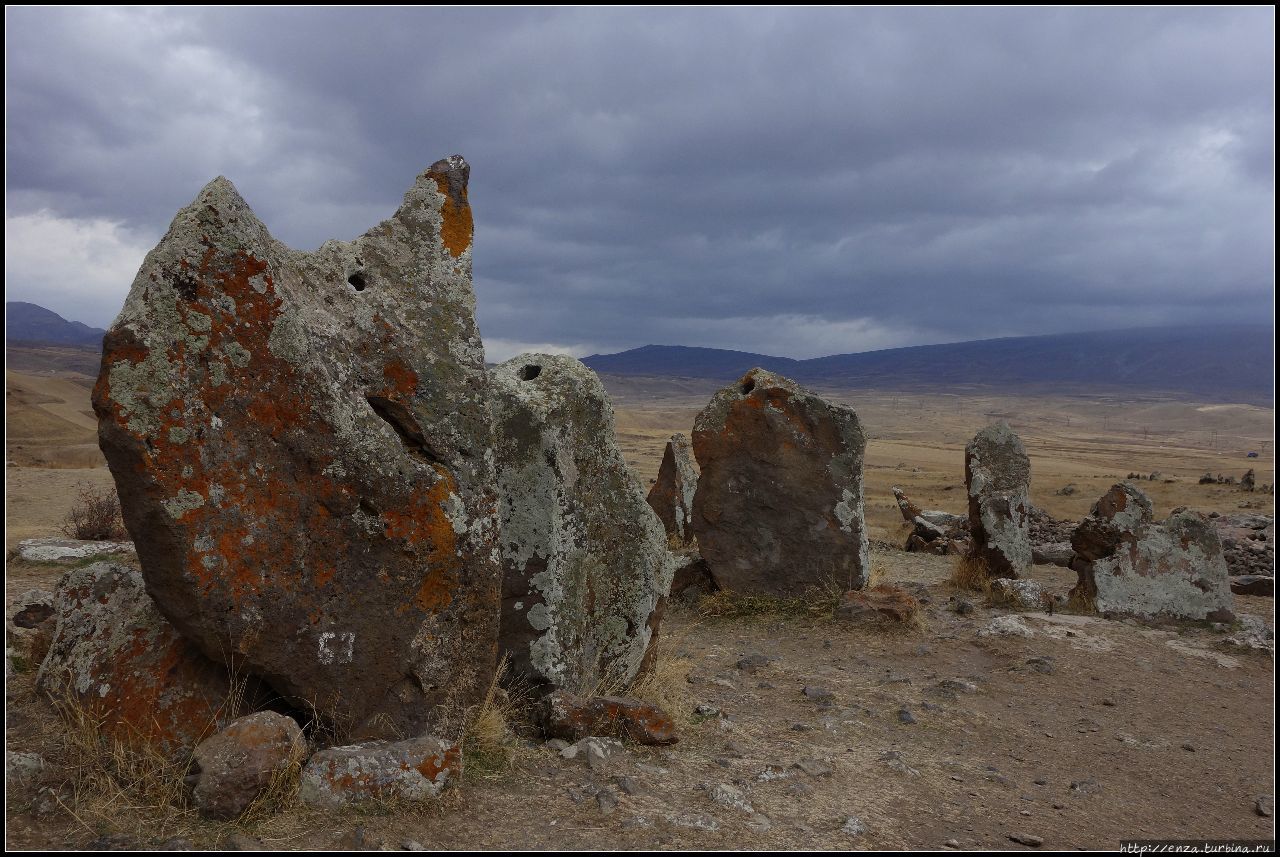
(800, 182)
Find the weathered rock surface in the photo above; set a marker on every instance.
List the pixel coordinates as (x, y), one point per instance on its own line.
(881, 602)
(413, 770)
(115, 654)
(586, 569)
(1056, 553)
(300, 445)
(68, 550)
(779, 506)
(1253, 584)
(997, 473)
(572, 718)
(1128, 564)
(30, 623)
(234, 767)
(910, 511)
(671, 496)
(1019, 594)
(692, 576)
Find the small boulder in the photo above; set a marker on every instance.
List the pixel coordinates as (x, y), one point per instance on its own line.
(234, 767)
(572, 718)
(69, 551)
(1006, 626)
(412, 770)
(1019, 594)
(1254, 584)
(691, 577)
(29, 627)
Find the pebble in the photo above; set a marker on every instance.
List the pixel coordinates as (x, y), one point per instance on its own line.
(1026, 839)
(853, 826)
(905, 716)
(818, 694)
(1264, 805)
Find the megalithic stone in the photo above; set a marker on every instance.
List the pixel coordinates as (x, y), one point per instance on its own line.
(779, 506)
(301, 445)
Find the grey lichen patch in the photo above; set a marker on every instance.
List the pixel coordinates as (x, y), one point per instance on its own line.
(178, 434)
(184, 502)
(289, 340)
(237, 353)
(578, 541)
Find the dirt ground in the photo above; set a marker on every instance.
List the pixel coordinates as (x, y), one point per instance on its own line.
(1086, 733)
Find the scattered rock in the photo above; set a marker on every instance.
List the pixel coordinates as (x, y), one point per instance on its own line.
(694, 822)
(22, 768)
(29, 628)
(779, 506)
(960, 606)
(586, 568)
(1054, 553)
(1085, 787)
(629, 785)
(69, 550)
(412, 845)
(998, 476)
(300, 446)
(1044, 665)
(1006, 626)
(573, 718)
(818, 694)
(753, 662)
(599, 753)
(234, 767)
(1254, 634)
(1126, 564)
(607, 801)
(1264, 805)
(815, 767)
(1066, 490)
(691, 577)
(905, 716)
(1019, 594)
(879, 603)
(116, 655)
(671, 496)
(853, 826)
(412, 770)
(1026, 839)
(729, 796)
(1253, 584)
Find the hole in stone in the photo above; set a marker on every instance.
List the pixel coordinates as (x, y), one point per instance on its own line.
(357, 281)
(748, 385)
(530, 372)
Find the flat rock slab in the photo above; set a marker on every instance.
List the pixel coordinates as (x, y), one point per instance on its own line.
(779, 506)
(115, 654)
(586, 570)
(300, 445)
(413, 770)
(882, 602)
(68, 550)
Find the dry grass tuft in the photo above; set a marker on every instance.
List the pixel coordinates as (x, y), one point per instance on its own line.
(665, 680)
(113, 780)
(816, 602)
(489, 739)
(970, 574)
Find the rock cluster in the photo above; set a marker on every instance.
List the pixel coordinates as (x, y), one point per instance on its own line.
(1127, 563)
(779, 505)
(997, 475)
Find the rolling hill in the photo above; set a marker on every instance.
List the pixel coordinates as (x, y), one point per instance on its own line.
(26, 322)
(1218, 363)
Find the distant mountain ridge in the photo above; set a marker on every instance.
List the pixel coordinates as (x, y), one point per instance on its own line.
(25, 322)
(1216, 362)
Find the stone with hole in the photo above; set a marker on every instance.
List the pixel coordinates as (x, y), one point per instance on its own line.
(586, 570)
(300, 442)
(779, 506)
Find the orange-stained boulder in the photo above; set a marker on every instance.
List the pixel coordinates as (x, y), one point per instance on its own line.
(300, 444)
(573, 717)
(884, 601)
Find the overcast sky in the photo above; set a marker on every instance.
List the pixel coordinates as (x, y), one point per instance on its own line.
(791, 182)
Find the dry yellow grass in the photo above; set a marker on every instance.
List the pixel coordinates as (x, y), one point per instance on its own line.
(970, 574)
(489, 741)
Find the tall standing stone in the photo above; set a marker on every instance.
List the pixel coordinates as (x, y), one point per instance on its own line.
(672, 494)
(300, 444)
(585, 563)
(997, 474)
(779, 504)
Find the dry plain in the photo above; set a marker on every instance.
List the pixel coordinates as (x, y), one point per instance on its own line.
(1088, 732)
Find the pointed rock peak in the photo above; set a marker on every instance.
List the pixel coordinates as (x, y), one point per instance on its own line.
(455, 173)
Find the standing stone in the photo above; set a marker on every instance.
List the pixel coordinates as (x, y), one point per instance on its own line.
(1249, 481)
(117, 657)
(300, 444)
(672, 495)
(997, 474)
(779, 502)
(586, 570)
(1126, 563)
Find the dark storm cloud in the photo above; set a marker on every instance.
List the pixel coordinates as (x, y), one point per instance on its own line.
(800, 182)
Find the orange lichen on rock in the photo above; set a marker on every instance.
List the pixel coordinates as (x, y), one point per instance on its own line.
(456, 226)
